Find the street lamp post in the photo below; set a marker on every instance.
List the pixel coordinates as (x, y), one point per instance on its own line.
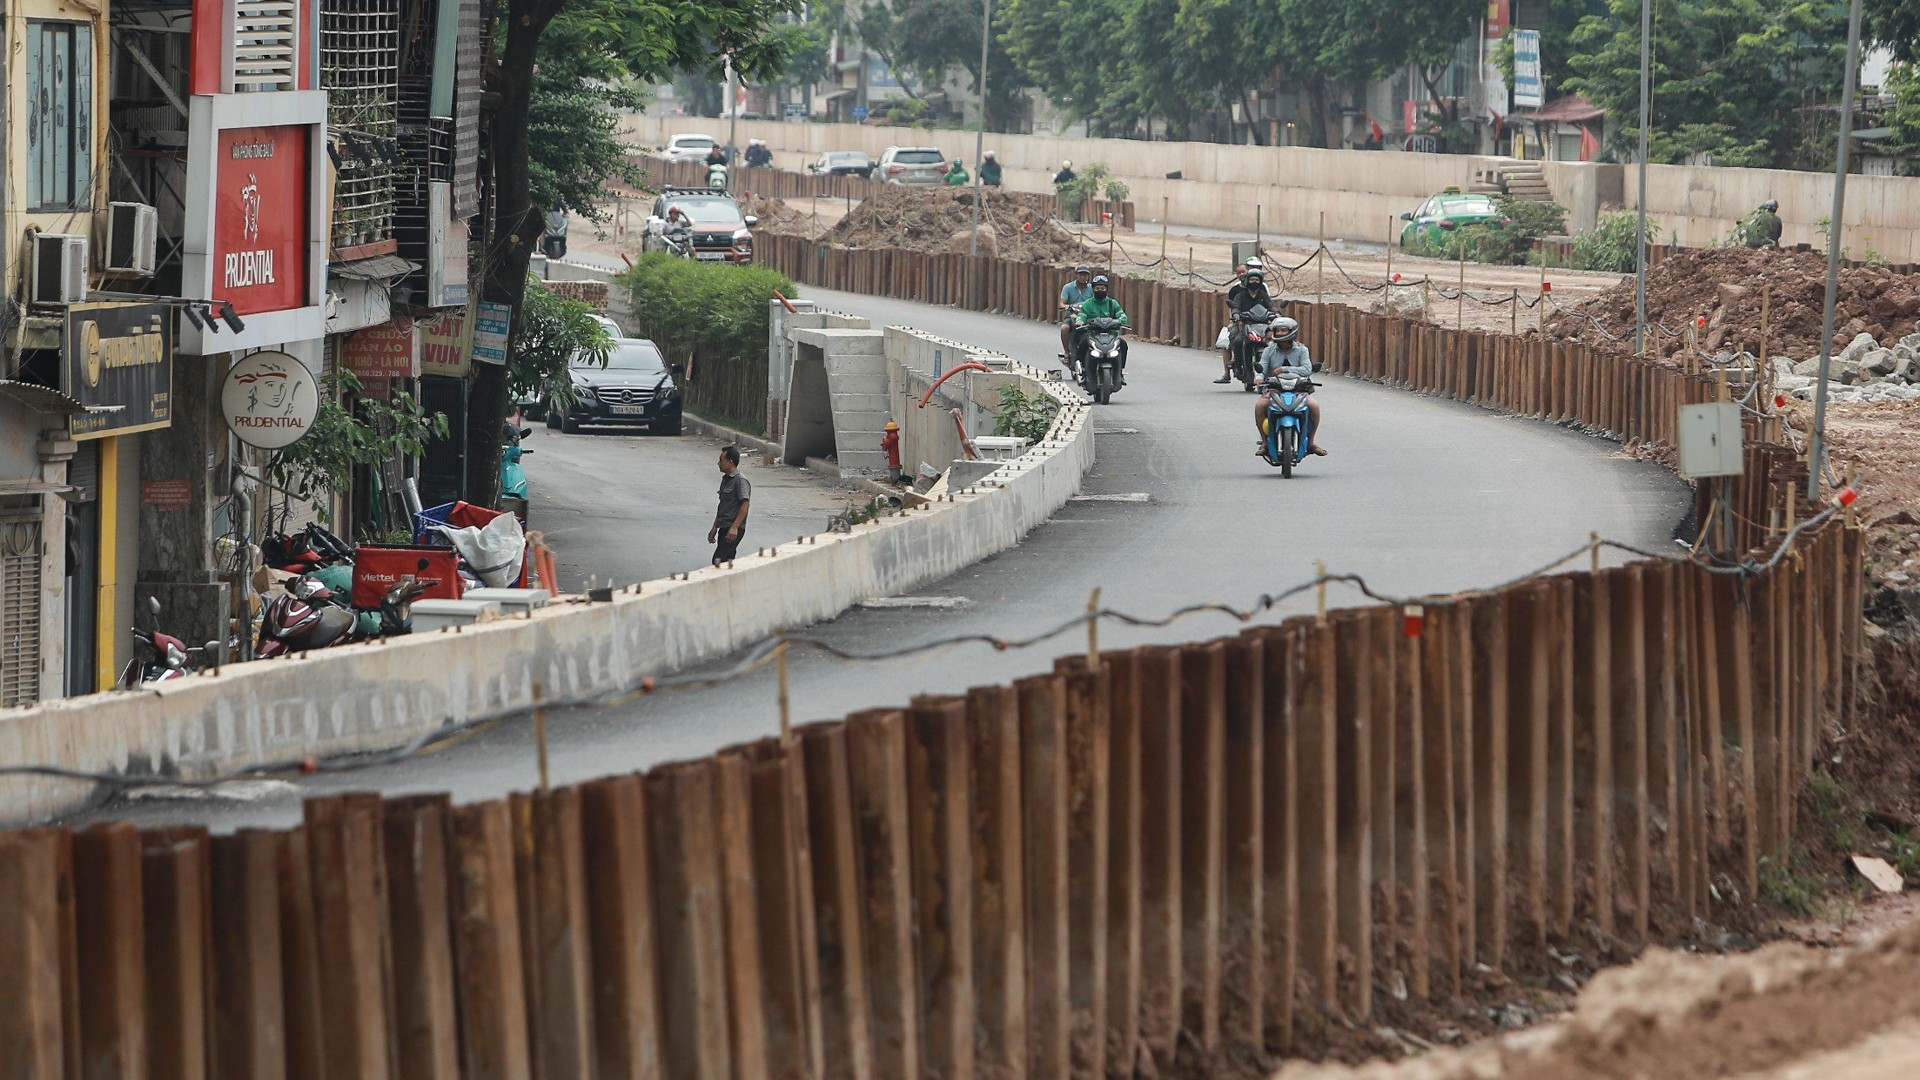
(1646, 124)
(1817, 446)
(980, 130)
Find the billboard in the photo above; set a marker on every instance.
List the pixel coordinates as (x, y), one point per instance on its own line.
(118, 362)
(1529, 86)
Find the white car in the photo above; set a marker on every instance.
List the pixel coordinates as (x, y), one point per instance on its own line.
(689, 148)
(920, 166)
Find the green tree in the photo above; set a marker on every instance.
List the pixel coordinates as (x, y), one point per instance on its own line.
(930, 39)
(1074, 53)
(1903, 82)
(350, 430)
(647, 40)
(551, 334)
(1895, 24)
(1728, 75)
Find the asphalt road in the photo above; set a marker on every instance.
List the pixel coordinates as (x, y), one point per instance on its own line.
(1417, 495)
(620, 507)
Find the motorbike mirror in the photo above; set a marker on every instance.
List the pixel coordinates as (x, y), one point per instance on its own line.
(678, 369)
(525, 431)
(153, 604)
(752, 220)
(211, 648)
(1408, 216)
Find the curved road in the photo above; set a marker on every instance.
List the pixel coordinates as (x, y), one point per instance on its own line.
(1418, 495)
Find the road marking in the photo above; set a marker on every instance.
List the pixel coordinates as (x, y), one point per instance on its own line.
(937, 603)
(1117, 431)
(1120, 497)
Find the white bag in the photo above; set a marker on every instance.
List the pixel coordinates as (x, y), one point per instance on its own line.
(1221, 341)
(494, 551)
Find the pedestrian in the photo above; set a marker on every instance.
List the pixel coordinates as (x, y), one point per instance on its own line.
(1065, 175)
(730, 520)
(990, 170)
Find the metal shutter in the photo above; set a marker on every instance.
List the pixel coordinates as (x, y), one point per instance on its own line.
(19, 607)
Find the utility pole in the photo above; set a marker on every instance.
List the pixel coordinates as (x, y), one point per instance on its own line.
(1646, 124)
(980, 130)
(1817, 446)
(733, 120)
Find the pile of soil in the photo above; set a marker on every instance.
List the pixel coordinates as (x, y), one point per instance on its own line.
(929, 219)
(1725, 285)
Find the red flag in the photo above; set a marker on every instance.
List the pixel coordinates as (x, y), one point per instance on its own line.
(1589, 146)
(1373, 126)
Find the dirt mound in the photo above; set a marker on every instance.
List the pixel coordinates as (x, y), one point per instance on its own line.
(926, 219)
(1725, 285)
(1783, 1012)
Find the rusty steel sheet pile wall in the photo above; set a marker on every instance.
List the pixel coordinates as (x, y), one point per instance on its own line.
(1179, 851)
(1164, 853)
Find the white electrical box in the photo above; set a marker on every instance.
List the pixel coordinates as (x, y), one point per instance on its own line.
(1710, 440)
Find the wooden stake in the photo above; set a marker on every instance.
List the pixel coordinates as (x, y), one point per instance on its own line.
(1460, 299)
(786, 714)
(1390, 221)
(1513, 313)
(1320, 258)
(1593, 550)
(1766, 305)
(1543, 292)
(1163, 240)
(1320, 588)
(1258, 234)
(540, 735)
(1093, 630)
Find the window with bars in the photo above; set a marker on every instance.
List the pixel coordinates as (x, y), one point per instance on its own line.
(19, 610)
(59, 115)
(359, 68)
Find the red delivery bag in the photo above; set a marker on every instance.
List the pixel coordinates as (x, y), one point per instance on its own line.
(377, 568)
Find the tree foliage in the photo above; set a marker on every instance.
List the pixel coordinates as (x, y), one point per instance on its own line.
(366, 431)
(551, 334)
(1895, 24)
(929, 40)
(1728, 75)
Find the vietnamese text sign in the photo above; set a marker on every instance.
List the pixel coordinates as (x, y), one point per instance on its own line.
(269, 399)
(118, 362)
(1529, 91)
(388, 351)
(166, 496)
(443, 344)
(260, 218)
(490, 329)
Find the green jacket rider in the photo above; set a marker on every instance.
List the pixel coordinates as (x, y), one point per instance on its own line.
(957, 175)
(990, 170)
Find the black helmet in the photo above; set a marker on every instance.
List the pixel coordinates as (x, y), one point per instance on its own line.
(1101, 282)
(1770, 205)
(1284, 332)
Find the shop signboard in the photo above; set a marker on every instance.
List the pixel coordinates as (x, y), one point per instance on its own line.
(117, 361)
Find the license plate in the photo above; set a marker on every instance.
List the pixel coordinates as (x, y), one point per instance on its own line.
(709, 256)
(628, 410)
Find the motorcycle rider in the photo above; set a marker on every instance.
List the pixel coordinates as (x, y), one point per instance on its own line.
(989, 170)
(1072, 295)
(957, 174)
(1246, 294)
(1103, 306)
(1286, 353)
(1225, 341)
(759, 155)
(1762, 227)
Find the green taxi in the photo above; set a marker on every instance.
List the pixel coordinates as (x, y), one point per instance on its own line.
(1444, 213)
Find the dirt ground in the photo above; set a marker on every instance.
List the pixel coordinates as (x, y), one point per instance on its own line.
(1785, 1012)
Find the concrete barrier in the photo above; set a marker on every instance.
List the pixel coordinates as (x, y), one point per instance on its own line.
(381, 695)
(1362, 193)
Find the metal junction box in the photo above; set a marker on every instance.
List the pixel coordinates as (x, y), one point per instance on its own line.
(1710, 440)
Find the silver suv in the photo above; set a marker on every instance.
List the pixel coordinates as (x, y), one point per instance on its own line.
(915, 165)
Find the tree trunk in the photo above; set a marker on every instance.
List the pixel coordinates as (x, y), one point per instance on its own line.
(1317, 111)
(518, 226)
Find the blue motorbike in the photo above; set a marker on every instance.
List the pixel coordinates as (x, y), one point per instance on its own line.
(1289, 424)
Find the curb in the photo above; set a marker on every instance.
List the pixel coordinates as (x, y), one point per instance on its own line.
(700, 425)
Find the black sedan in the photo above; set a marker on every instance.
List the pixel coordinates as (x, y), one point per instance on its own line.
(842, 163)
(634, 388)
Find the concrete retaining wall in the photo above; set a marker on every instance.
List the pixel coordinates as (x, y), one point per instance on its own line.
(374, 696)
(1361, 192)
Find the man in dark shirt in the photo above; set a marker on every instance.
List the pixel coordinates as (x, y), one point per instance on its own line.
(730, 521)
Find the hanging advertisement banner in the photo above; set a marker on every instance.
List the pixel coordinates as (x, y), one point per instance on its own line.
(1493, 84)
(491, 329)
(388, 351)
(269, 400)
(1529, 86)
(444, 340)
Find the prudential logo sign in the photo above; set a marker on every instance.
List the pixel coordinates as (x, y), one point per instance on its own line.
(260, 222)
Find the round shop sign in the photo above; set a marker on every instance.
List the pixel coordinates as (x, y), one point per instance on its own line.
(270, 399)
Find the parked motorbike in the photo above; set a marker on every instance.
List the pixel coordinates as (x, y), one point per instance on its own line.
(1249, 340)
(717, 176)
(513, 478)
(306, 616)
(163, 657)
(1289, 424)
(309, 549)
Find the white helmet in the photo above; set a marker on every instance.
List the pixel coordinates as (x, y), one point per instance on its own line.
(1066, 164)
(1254, 263)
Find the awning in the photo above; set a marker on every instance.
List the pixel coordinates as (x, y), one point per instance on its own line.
(44, 398)
(377, 268)
(1572, 109)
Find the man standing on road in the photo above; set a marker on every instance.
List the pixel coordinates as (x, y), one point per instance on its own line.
(730, 521)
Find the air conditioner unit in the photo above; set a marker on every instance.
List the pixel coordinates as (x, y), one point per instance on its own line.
(133, 238)
(59, 269)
